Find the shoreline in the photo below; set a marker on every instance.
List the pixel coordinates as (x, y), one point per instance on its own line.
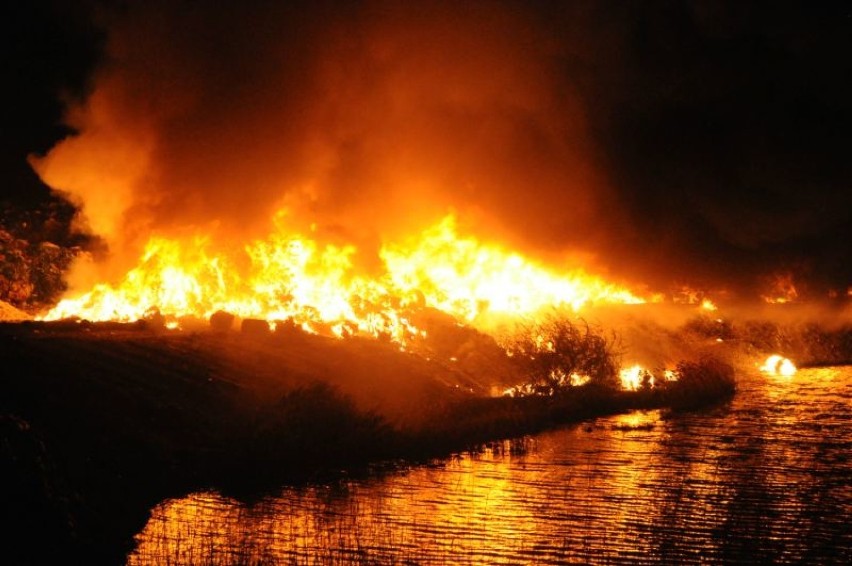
(102, 424)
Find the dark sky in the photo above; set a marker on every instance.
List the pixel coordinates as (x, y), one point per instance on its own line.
(699, 142)
(48, 51)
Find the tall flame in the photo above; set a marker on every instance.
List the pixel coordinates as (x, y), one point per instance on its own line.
(470, 279)
(291, 276)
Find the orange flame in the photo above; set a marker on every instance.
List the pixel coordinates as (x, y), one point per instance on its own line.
(779, 365)
(782, 290)
(469, 279)
(631, 378)
(290, 276)
(634, 377)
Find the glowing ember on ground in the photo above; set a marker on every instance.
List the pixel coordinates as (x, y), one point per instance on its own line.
(289, 276)
(778, 365)
(560, 379)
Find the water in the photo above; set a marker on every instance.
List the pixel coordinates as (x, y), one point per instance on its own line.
(767, 478)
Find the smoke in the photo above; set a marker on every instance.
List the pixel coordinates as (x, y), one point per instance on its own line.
(723, 124)
(636, 139)
(368, 120)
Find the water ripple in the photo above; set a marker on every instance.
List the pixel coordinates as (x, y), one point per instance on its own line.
(764, 479)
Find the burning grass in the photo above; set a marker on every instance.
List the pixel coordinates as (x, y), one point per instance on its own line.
(322, 287)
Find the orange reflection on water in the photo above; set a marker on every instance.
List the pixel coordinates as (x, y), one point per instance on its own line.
(190, 530)
(354, 523)
(636, 420)
(761, 480)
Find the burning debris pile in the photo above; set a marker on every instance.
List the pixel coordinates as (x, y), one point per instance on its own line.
(289, 276)
(274, 183)
(335, 172)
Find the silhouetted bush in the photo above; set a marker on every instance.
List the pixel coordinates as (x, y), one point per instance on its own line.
(550, 352)
(699, 383)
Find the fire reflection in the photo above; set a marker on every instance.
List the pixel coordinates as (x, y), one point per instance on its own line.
(764, 480)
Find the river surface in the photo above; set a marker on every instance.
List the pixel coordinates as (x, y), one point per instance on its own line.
(766, 478)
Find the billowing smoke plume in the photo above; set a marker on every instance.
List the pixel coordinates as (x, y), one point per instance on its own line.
(366, 120)
(692, 140)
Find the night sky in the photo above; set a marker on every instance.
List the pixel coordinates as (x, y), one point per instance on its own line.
(48, 52)
(705, 142)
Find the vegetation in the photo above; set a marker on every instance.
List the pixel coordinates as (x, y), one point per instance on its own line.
(698, 382)
(805, 341)
(102, 421)
(36, 249)
(310, 428)
(556, 354)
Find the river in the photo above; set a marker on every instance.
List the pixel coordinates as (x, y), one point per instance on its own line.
(766, 478)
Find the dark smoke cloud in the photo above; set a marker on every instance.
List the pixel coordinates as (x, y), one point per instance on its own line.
(700, 142)
(724, 127)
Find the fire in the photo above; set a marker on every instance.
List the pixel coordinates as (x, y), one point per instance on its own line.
(686, 295)
(635, 377)
(782, 290)
(560, 378)
(778, 365)
(469, 279)
(289, 276)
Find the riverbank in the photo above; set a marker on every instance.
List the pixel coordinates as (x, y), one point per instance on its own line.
(101, 422)
(757, 480)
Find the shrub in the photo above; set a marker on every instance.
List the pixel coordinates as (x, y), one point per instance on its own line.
(553, 350)
(36, 248)
(699, 382)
